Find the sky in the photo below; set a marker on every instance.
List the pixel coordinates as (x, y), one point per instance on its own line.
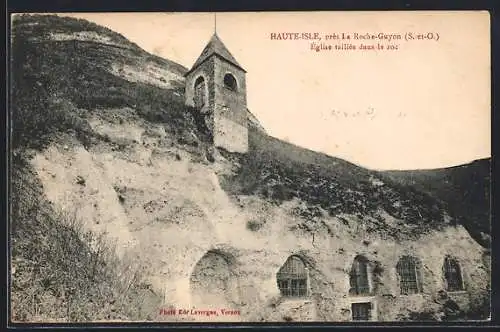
(423, 105)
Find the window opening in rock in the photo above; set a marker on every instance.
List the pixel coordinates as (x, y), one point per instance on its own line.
(408, 269)
(359, 276)
(212, 281)
(292, 278)
(361, 311)
(452, 275)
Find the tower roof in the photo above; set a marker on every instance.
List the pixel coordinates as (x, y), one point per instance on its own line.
(215, 46)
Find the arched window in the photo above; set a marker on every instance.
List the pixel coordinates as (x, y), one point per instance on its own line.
(292, 278)
(359, 276)
(230, 82)
(199, 92)
(452, 275)
(213, 280)
(408, 269)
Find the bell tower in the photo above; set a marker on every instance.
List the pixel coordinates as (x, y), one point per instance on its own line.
(216, 87)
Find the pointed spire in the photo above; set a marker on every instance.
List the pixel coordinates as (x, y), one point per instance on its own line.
(217, 47)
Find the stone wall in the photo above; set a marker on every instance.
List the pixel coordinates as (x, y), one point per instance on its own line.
(205, 70)
(226, 110)
(230, 135)
(233, 104)
(230, 118)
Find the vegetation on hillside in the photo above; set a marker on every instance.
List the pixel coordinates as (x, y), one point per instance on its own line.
(61, 272)
(464, 190)
(280, 171)
(56, 84)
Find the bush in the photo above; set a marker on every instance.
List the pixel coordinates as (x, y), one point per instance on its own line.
(450, 311)
(254, 225)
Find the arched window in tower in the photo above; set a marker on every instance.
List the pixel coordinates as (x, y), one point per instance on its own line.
(452, 275)
(230, 82)
(292, 278)
(409, 272)
(199, 93)
(359, 276)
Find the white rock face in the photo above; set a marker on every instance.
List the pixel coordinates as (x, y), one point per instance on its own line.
(173, 212)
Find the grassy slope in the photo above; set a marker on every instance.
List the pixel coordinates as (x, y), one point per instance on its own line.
(464, 189)
(55, 84)
(60, 271)
(281, 171)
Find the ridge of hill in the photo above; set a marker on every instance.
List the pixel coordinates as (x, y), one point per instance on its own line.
(463, 189)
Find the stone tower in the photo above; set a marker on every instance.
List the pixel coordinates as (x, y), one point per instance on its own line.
(216, 86)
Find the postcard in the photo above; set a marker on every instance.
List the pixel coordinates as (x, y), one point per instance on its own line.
(250, 167)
